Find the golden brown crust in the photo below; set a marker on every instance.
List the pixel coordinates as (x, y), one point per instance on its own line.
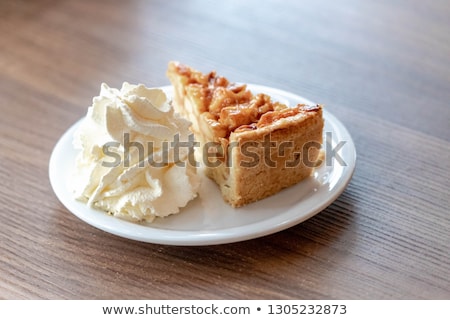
(260, 146)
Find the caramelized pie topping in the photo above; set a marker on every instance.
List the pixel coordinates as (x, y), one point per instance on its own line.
(230, 107)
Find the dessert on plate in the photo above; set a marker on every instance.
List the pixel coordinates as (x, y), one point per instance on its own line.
(250, 145)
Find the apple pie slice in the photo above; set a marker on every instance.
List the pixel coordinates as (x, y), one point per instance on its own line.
(250, 145)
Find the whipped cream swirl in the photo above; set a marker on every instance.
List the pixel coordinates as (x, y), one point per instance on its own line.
(129, 163)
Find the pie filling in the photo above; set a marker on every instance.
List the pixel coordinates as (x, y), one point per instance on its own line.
(228, 107)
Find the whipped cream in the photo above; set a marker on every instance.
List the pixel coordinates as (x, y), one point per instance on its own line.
(129, 163)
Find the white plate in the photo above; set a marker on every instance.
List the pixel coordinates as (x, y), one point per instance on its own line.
(207, 220)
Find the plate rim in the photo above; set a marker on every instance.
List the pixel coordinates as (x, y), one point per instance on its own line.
(211, 237)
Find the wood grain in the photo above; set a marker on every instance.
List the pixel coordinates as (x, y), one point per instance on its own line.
(382, 67)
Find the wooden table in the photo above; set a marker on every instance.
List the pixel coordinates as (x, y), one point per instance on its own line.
(382, 68)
